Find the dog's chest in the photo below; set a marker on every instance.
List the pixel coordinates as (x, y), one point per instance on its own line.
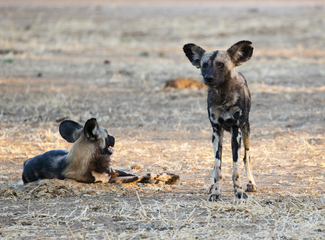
(217, 113)
(223, 108)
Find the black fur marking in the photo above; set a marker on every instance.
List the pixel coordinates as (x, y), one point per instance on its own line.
(228, 124)
(236, 115)
(235, 145)
(208, 72)
(217, 155)
(244, 159)
(213, 57)
(125, 179)
(123, 174)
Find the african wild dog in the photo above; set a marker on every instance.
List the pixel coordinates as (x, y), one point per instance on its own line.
(229, 104)
(88, 160)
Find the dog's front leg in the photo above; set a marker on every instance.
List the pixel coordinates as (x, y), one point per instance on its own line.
(215, 186)
(119, 173)
(118, 176)
(235, 146)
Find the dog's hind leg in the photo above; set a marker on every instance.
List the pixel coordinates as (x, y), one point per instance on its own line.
(251, 186)
(215, 186)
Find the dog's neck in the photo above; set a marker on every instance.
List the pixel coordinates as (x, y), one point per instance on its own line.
(225, 95)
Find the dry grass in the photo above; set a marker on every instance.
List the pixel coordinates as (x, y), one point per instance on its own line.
(95, 213)
(290, 202)
(112, 63)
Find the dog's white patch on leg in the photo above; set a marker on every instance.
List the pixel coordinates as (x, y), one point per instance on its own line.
(101, 177)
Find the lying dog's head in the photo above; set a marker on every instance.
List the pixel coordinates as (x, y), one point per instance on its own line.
(216, 66)
(92, 133)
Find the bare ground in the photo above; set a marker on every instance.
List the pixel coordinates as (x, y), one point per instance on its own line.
(111, 60)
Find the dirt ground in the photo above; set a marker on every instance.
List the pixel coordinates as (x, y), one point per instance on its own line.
(111, 60)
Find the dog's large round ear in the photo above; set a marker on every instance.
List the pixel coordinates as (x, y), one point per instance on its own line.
(194, 53)
(91, 129)
(240, 52)
(70, 130)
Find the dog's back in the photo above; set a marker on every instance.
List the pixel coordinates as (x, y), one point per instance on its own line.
(47, 165)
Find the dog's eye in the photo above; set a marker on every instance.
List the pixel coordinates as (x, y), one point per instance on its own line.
(205, 65)
(221, 65)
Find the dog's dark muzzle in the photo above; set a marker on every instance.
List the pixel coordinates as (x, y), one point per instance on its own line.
(208, 79)
(111, 141)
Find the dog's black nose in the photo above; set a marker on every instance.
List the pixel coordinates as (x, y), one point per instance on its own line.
(208, 78)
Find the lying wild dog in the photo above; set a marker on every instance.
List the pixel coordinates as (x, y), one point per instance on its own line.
(87, 161)
(229, 103)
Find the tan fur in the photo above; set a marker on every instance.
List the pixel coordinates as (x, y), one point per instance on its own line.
(79, 157)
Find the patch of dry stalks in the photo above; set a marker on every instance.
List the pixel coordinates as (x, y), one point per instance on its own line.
(65, 209)
(290, 203)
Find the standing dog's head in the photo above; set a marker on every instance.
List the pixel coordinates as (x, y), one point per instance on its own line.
(90, 134)
(216, 66)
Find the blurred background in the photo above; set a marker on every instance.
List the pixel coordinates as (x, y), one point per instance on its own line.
(111, 59)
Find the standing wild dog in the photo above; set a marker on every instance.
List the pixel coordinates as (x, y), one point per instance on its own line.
(229, 104)
(88, 160)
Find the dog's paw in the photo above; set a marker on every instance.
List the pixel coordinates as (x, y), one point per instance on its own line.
(214, 197)
(101, 177)
(251, 188)
(240, 194)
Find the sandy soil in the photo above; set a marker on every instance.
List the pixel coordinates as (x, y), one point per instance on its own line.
(111, 60)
